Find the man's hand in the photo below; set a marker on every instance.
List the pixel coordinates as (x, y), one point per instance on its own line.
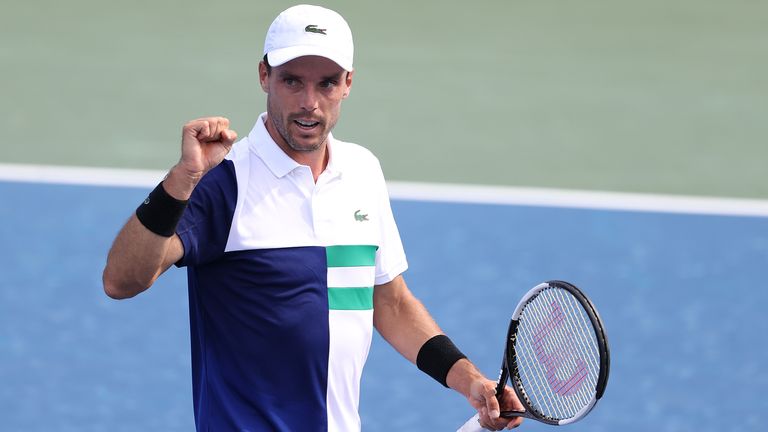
(204, 143)
(482, 396)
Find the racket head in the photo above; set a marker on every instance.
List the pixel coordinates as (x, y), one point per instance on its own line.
(557, 354)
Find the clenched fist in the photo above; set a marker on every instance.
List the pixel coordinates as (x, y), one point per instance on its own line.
(204, 143)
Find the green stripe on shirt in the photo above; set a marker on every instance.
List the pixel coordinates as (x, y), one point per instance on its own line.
(351, 255)
(350, 298)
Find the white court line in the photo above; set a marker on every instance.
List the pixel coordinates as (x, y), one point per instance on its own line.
(88, 176)
(599, 200)
(436, 192)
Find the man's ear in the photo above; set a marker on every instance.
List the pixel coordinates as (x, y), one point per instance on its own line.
(263, 77)
(348, 82)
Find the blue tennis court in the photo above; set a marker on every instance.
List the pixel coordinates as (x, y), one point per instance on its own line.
(681, 296)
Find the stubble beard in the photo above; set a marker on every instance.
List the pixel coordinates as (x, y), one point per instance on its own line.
(282, 128)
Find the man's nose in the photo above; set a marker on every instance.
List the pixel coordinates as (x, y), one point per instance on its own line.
(309, 100)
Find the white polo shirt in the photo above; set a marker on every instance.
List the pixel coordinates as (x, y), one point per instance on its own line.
(281, 275)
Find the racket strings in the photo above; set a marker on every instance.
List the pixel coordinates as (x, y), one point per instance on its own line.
(548, 361)
(584, 341)
(578, 325)
(557, 354)
(535, 366)
(564, 371)
(531, 372)
(571, 338)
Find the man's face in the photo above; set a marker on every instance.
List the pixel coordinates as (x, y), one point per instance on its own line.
(304, 101)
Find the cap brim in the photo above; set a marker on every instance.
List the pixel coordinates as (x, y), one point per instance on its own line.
(284, 55)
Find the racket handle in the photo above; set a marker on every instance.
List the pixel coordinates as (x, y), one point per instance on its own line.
(511, 414)
(472, 425)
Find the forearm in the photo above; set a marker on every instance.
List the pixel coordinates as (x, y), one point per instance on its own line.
(406, 324)
(139, 256)
(461, 376)
(147, 244)
(401, 319)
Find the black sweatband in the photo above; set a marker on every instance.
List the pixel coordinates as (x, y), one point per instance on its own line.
(160, 212)
(436, 357)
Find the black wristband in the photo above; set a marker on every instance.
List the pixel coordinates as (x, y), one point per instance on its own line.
(436, 357)
(160, 212)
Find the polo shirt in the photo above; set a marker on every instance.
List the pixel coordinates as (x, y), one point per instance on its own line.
(281, 273)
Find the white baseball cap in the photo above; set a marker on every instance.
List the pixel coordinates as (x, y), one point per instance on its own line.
(305, 30)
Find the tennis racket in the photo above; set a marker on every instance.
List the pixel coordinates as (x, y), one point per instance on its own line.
(556, 356)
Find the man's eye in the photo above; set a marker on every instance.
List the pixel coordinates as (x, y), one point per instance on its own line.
(327, 84)
(290, 82)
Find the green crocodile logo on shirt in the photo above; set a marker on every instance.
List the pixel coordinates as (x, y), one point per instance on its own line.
(360, 217)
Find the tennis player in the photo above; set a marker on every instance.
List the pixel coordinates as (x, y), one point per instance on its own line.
(292, 253)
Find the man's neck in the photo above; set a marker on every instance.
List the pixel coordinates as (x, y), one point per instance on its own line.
(316, 160)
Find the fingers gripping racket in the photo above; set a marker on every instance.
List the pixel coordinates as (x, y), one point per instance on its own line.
(556, 356)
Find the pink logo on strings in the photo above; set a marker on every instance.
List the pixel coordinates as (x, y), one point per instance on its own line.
(556, 357)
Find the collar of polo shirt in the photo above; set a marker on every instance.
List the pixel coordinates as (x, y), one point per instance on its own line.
(275, 158)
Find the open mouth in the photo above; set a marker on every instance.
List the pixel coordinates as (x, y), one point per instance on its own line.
(306, 124)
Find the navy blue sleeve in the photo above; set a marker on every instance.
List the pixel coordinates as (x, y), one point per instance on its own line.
(204, 226)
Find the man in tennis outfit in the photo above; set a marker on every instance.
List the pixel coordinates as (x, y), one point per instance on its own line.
(292, 253)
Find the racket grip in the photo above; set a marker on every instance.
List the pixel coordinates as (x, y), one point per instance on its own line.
(472, 425)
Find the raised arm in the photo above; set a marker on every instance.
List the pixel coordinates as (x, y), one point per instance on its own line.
(404, 322)
(140, 254)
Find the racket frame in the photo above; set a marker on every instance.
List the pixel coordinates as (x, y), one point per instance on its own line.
(509, 369)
